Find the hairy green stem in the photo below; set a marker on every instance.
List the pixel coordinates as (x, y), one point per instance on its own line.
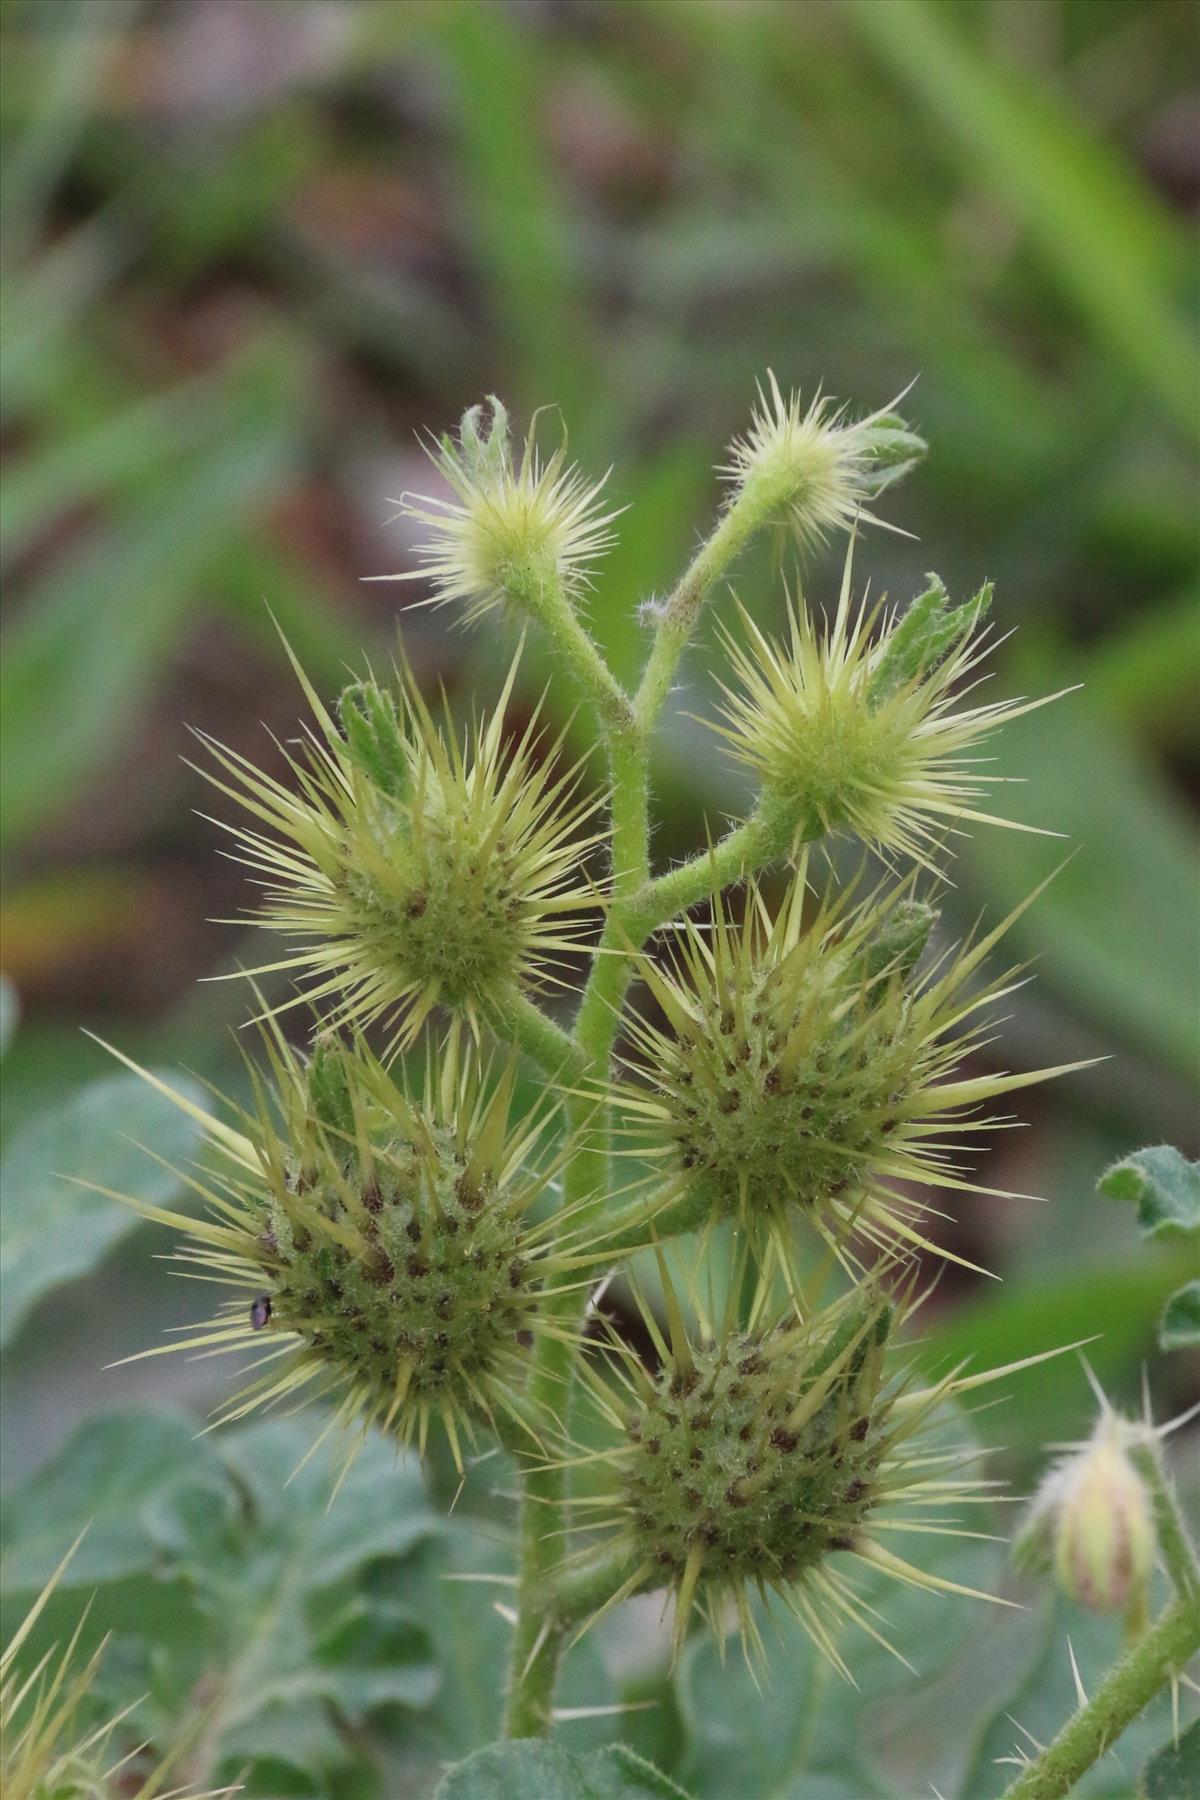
(1129, 1687)
(1174, 1541)
(639, 905)
(738, 524)
(545, 1043)
(540, 593)
(540, 1630)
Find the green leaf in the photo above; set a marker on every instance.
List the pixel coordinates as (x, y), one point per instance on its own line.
(304, 1637)
(53, 1231)
(1173, 1773)
(1164, 1185)
(452, 1584)
(111, 1475)
(1179, 1327)
(528, 1768)
(225, 1570)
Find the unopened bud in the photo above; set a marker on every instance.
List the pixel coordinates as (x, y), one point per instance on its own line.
(483, 441)
(1092, 1523)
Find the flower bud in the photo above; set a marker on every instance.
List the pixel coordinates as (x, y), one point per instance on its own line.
(811, 468)
(519, 534)
(1092, 1522)
(849, 730)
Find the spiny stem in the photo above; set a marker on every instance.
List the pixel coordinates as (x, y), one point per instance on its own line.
(1129, 1687)
(1178, 1551)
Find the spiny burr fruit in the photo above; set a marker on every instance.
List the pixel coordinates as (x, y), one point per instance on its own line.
(853, 730)
(808, 1065)
(411, 870)
(377, 1243)
(760, 1449)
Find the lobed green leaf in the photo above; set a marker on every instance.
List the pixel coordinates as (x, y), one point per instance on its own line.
(53, 1231)
(528, 1767)
(1163, 1184)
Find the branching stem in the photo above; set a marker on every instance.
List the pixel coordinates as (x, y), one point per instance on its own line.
(639, 905)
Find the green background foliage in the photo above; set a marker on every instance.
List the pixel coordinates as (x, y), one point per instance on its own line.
(251, 248)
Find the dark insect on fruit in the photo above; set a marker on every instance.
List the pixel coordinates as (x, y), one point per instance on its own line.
(260, 1311)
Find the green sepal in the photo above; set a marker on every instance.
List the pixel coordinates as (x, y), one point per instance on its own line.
(483, 441)
(375, 737)
(928, 631)
(895, 451)
(900, 942)
(329, 1086)
(869, 1319)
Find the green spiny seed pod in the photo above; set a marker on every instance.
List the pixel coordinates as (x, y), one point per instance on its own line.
(410, 871)
(757, 1452)
(849, 730)
(380, 1237)
(807, 1066)
(757, 1455)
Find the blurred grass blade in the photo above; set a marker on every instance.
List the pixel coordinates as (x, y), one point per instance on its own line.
(1098, 230)
(111, 452)
(1115, 928)
(75, 38)
(95, 634)
(519, 227)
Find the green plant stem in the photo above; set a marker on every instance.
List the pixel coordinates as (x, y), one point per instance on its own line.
(1130, 1685)
(540, 1630)
(638, 906)
(541, 595)
(545, 1043)
(1178, 1551)
(737, 525)
(538, 1635)
(742, 851)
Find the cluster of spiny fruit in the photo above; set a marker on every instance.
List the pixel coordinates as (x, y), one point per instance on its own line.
(798, 1085)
